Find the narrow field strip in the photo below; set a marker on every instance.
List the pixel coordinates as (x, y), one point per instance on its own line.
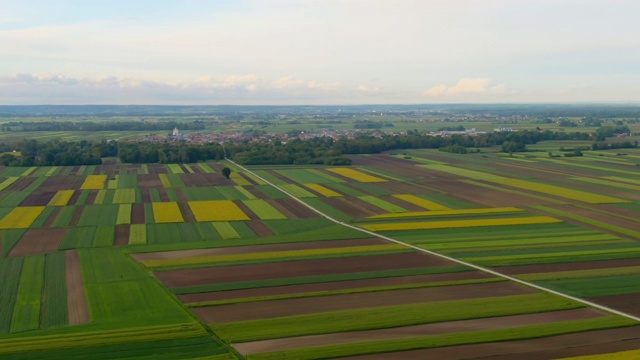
(263, 210)
(225, 230)
(26, 311)
(8, 181)
(384, 205)
(563, 256)
(390, 316)
(607, 183)
(423, 203)
(124, 214)
(297, 191)
(459, 224)
(270, 255)
(590, 221)
(572, 194)
(356, 175)
(483, 211)
(517, 243)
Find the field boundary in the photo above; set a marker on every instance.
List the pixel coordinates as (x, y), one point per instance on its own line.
(477, 267)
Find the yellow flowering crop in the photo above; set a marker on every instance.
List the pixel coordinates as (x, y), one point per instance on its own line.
(167, 212)
(61, 198)
(356, 175)
(429, 205)
(448, 213)
(559, 191)
(460, 223)
(94, 182)
(323, 190)
(217, 210)
(21, 217)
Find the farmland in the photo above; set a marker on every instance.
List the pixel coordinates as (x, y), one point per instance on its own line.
(217, 268)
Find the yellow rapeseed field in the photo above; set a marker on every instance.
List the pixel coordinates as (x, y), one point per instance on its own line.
(21, 217)
(94, 182)
(623, 355)
(559, 191)
(356, 175)
(217, 210)
(415, 200)
(447, 213)
(167, 212)
(460, 223)
(323, 190)
(61, 198)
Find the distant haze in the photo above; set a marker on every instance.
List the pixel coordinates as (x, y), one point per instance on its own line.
(318, 52)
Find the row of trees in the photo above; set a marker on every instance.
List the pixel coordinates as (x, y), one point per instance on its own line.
(320, 150)
(102, 126)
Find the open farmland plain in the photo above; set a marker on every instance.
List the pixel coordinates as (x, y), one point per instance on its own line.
(177, 262)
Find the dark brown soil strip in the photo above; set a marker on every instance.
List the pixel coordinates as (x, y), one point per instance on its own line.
(137, 214)
(149, 180)
(122, 235)
(217, 180)
(284, 211)
(247, 178)
(163, 194)
(194, 180)
(257, 193)
(301, 211)
(495, 323)
(52, 217)
(246, 210)
(38, 199)
(77, 213)
(38, 241)
(91, 198)
(629, 303)
(182, 196)
(279, 270)
(352, 207)
(257, 249)
(403, 204)
(551, 347)
(76, 301)
(259, 228)
(330, 286)
(146, 197)
(74, 197)
(196, 169)
(186, 212)
(157, 169)
(21, 184)
(289, 307)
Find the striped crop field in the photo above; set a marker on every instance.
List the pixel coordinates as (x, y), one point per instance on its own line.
(297, 191)
(94, 182)
(449, 213)
(385, 205)
(563, 192)
(263, 210)
(424, 203)
(166, 212)
(449, 224)
(217, 210)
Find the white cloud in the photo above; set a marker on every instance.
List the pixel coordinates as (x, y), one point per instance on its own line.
(467, 86)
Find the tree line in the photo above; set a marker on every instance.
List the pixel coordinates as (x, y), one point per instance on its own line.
(319, 150)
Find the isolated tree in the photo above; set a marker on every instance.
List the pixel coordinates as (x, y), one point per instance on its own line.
(226, 172)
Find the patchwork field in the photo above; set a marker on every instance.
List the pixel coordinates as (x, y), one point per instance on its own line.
(178, 262)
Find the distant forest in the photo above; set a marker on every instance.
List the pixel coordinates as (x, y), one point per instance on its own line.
(320, 150)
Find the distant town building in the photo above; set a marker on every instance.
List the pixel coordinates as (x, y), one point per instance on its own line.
(175, 133)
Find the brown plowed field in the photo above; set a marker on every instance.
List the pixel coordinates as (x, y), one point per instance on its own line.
(77, 213)
(181, 254)
(186, 212)
(628, 303)
(162, 193)
(284, 211)
(495, 323)
(195, 180)
(182, 196)
(259, 228)
(349, 206)
(300, 211)
(52, 217)
(329, 286)
(38, 241)
(74, 197)
(55, 183)
(568, 266)
(553, 347)
(278, 270)
(21, 184)
(159, 169)
(245, 209)
(122, 235)
(257, 193)
(148, 181)
(137, 214)
(146, 195)
(38, 198)
(77, 307)
(609, 219)
(486, 197)
(289, 307)
(91, 198)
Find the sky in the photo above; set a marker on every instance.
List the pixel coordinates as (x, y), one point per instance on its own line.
(263, 52)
